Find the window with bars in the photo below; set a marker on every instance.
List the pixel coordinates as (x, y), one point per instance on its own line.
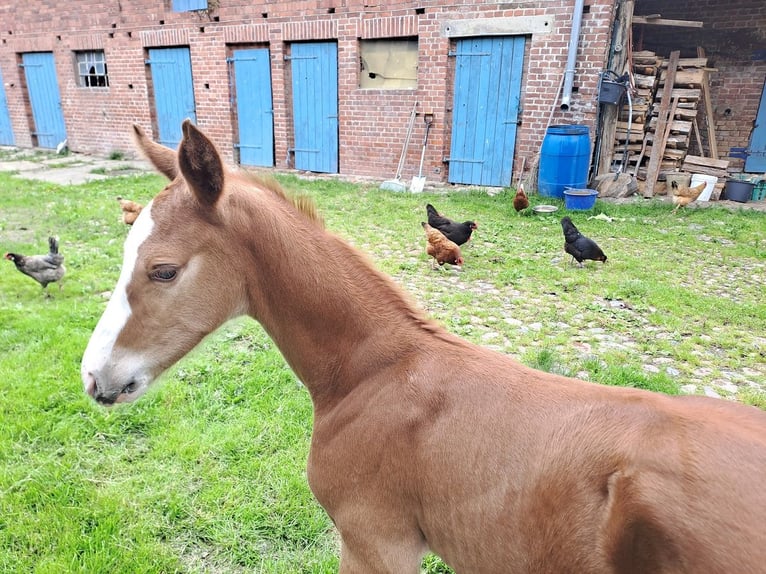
(91, 69)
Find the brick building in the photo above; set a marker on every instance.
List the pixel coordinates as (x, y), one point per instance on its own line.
(734, 40)
(330, 85)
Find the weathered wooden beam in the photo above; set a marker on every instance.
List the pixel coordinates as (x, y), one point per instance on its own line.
(711, 136)
(684, 63)
(663, 120)
(667, 22)
(617, 62)
(697, 135)
(707, 161)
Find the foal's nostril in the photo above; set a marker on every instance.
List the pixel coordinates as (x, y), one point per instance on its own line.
(131, 387)
(106, 400)
(91, 387)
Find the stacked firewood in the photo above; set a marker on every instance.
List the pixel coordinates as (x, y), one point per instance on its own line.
(686, 93)
(649, 73)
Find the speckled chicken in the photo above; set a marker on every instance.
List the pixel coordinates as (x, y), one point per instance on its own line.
(44, 269)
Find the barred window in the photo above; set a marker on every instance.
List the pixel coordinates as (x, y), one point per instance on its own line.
(91, 69)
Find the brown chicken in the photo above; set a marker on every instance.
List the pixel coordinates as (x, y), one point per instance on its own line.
(684, 195)
(44, 269)
(440, 248)
(130, 210)
(520, 201)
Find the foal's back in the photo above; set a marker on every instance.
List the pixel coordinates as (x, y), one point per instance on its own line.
(523, 471)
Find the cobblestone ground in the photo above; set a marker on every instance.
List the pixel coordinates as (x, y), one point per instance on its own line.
(521, 320)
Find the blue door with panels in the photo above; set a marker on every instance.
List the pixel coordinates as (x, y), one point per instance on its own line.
(485, 109)
(173, 92)
(44, 98)
(756, 153)
(6, 131)
(314, 68)
(255, 113)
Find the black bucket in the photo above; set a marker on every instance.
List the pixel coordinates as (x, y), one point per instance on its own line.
(738, 190)
(610, 92)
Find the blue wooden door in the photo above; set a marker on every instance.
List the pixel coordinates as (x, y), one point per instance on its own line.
(6, 131)
(255, 112)
(314, 67)
(756, 156)
(485, 109)
(44, 98)
(173, 92)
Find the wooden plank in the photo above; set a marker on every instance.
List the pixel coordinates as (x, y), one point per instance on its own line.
(675, 126)
(669, 125)
(704, 170)
(684, 63)
(683, 94)
(711, 136)
(665, 105)
(673, 154)
(675, 142)
(697, 135)
(691, 78)
(682, 113)
(642, 81)
(707, 161)
(667, 22)
(620, 136)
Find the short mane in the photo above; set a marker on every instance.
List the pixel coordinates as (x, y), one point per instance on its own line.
(302, 202)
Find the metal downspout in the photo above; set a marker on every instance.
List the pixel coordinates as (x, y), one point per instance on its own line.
(574, 39)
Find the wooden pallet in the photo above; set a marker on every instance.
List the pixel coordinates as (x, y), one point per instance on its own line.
(671, 122)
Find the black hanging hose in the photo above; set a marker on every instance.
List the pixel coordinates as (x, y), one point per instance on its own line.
(624, 80)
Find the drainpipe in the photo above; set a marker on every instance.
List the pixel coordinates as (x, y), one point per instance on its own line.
(574, 38)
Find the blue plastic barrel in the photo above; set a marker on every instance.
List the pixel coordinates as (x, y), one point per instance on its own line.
(564, 160)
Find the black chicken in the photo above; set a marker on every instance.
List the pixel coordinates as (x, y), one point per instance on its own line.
(44, 269)
(579, 246)
(452, 230)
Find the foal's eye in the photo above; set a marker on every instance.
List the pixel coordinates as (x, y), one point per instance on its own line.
(163, 273)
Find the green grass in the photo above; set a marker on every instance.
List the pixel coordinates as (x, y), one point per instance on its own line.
(206, 474)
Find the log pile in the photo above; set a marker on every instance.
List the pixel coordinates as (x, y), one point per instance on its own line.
(686, 92)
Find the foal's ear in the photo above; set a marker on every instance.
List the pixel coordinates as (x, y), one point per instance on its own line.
(161, 157)
(200, 164)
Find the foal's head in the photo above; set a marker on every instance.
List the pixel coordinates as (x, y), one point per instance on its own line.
(177, 282)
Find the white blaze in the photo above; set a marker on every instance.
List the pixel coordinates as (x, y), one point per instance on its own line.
(99, 350)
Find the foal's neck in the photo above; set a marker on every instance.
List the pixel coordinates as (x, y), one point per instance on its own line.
(334, 317)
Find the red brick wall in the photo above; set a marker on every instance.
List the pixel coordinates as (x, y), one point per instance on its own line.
(731, 34)
(372, 123)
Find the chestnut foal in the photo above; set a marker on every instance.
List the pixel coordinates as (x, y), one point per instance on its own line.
(421, 440)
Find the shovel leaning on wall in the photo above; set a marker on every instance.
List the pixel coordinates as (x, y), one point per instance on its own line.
(419, 181)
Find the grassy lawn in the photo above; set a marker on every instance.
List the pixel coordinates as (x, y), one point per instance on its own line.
(206, 474)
